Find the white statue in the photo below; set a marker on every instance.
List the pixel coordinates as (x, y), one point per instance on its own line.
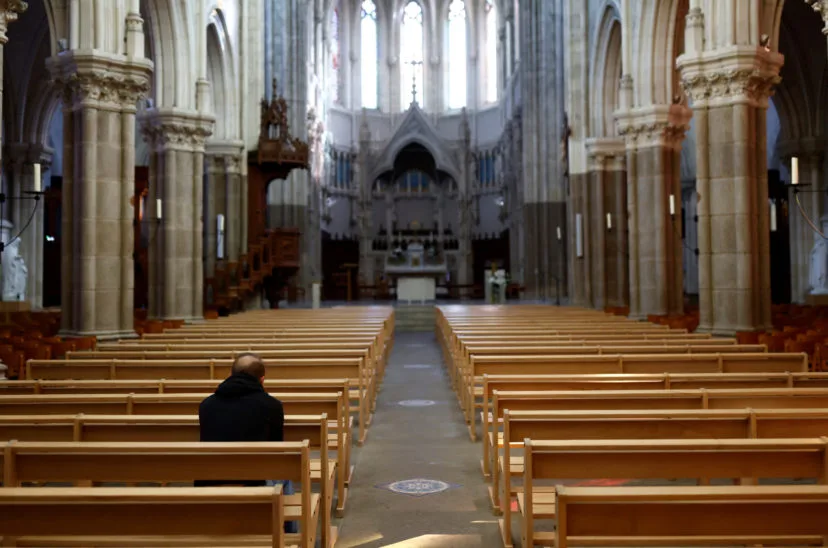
(496, 286)
(14, 271)
(818, 272)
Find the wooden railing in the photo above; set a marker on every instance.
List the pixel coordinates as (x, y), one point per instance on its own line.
(235, 281)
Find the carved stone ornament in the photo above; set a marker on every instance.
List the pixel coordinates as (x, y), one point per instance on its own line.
(750, 83)
(653, 133)
(102, 89)
(176, 132)
(102, 82)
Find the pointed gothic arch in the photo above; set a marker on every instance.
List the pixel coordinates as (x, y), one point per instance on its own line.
(606, 72)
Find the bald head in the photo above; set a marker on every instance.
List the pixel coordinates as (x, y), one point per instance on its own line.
(250, 364)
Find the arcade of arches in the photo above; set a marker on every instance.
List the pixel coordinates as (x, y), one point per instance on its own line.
(611, 153)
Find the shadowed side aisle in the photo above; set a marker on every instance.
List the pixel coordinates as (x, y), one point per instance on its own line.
(418, 433)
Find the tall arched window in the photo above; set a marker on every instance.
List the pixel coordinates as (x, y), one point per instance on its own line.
(334, 38)
(411, 54)
(491, 52)
(457, 54)
(368, 30)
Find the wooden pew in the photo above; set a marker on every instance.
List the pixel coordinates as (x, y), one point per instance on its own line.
(296, 369)
(283, 386)
(143, 516)
(331, 405)
(462, 365)
(167, 428)
(666, 381)
(690, 399)
(163, 386)
(176, 463)
(641, 425)
(621, 363)
(657, 460)
(271, 357)
(700, 516)
(631, 345)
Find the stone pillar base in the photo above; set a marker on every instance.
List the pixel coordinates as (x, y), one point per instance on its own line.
(100, 335)
(194, 319)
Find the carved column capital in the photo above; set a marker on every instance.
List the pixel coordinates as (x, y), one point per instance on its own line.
(744, 75)
(90, 80)
(663, 125)
(177, 130)
(751, 84)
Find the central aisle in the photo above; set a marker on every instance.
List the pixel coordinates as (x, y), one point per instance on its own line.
(418, 441)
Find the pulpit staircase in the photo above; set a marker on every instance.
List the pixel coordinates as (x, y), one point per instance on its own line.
(274, 253)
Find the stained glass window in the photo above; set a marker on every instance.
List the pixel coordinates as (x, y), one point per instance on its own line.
(334, 37)
(457, 54)
(491, 52)
(411, 49)
(368, 29)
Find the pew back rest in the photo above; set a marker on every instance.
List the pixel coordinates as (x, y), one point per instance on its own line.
(640, 363)
(677, 424)
(671, 458)
(755, 398)
(200, 369)
(737, 514)
(155, 462)
(140, 428)
(205, 511)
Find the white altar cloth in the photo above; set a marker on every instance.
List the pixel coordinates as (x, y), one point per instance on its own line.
(414, 288)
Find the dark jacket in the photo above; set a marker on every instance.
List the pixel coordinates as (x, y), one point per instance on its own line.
(240, 410)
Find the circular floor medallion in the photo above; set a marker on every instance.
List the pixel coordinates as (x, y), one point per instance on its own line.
(417, 487)
(416, 403)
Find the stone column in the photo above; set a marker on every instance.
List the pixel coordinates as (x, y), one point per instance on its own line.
(177, 273)
(546, 138)
(100, 94)
(730, 90)
(211, 212)
(602, 193)
(653, 137)
(466, 206)
(233, 192)
(244, 205)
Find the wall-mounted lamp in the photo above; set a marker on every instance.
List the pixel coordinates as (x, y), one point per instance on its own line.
(794, 170)
(579, 235)
(672, 205)
(609, 221)
(220, 236)
(559, 234)
(38, 180)
(158, 210)
(772, 215)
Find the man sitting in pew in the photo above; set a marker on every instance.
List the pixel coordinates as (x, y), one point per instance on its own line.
(242, 410)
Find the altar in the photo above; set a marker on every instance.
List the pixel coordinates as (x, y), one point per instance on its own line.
(415, 274)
